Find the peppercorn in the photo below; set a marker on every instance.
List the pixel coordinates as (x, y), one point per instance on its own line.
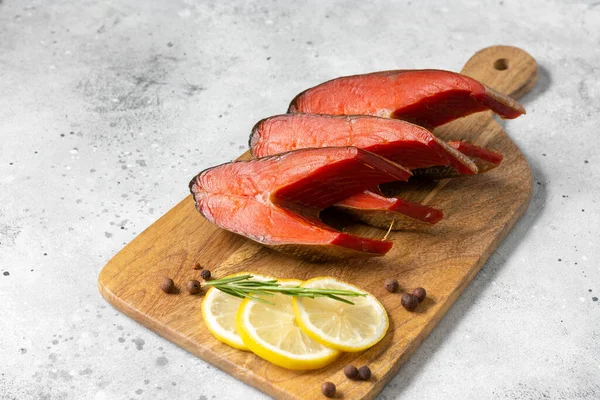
(364, 372)
(328, 389)
(391, 285)
(167, 285)
(409, 301)
(420, 294)
(205, 274)
(193, 286)
(197, 266)
(351, 372)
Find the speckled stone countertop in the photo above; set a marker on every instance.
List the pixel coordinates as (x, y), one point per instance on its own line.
(108, 108)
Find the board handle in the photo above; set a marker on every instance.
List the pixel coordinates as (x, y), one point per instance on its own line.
(507, 69)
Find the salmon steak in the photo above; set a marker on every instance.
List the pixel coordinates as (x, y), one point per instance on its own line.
(276, 200)
(407, 144)
(429, 98)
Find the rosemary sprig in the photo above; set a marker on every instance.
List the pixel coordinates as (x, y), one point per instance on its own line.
(243, 286)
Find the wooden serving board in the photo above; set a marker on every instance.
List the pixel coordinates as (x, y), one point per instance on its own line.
(444, 258)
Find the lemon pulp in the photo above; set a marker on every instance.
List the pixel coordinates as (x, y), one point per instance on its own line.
(271, 332)
(338, 325)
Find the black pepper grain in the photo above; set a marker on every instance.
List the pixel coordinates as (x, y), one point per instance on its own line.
(167, 285)
(197, 266)
(391, 285)
(193, 286)
(328, 389)
(205, 274)
(351, 372)
(409, 301)
(364, 372)
(420, 293)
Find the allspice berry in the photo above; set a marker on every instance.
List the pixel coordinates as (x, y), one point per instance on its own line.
(364, 372)
(419, 293)
(193, 286)
(205, 274)
(351, 372)
(409, 301)
(391, 285)
(167, 285)
(328, 389)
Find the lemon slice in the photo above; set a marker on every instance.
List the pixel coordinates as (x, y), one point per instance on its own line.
(271, 332)
(219, 310)
(338, 325)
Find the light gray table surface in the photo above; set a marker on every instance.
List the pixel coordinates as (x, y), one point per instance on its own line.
(108, 108)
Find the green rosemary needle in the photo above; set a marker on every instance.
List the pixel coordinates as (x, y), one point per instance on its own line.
(243, 286)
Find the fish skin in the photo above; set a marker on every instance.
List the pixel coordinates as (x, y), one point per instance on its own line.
(429, 98)
(276, 200)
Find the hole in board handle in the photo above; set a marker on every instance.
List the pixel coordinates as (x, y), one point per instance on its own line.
(501, 64)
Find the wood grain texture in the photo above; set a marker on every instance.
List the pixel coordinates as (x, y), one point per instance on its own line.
(443, 258)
